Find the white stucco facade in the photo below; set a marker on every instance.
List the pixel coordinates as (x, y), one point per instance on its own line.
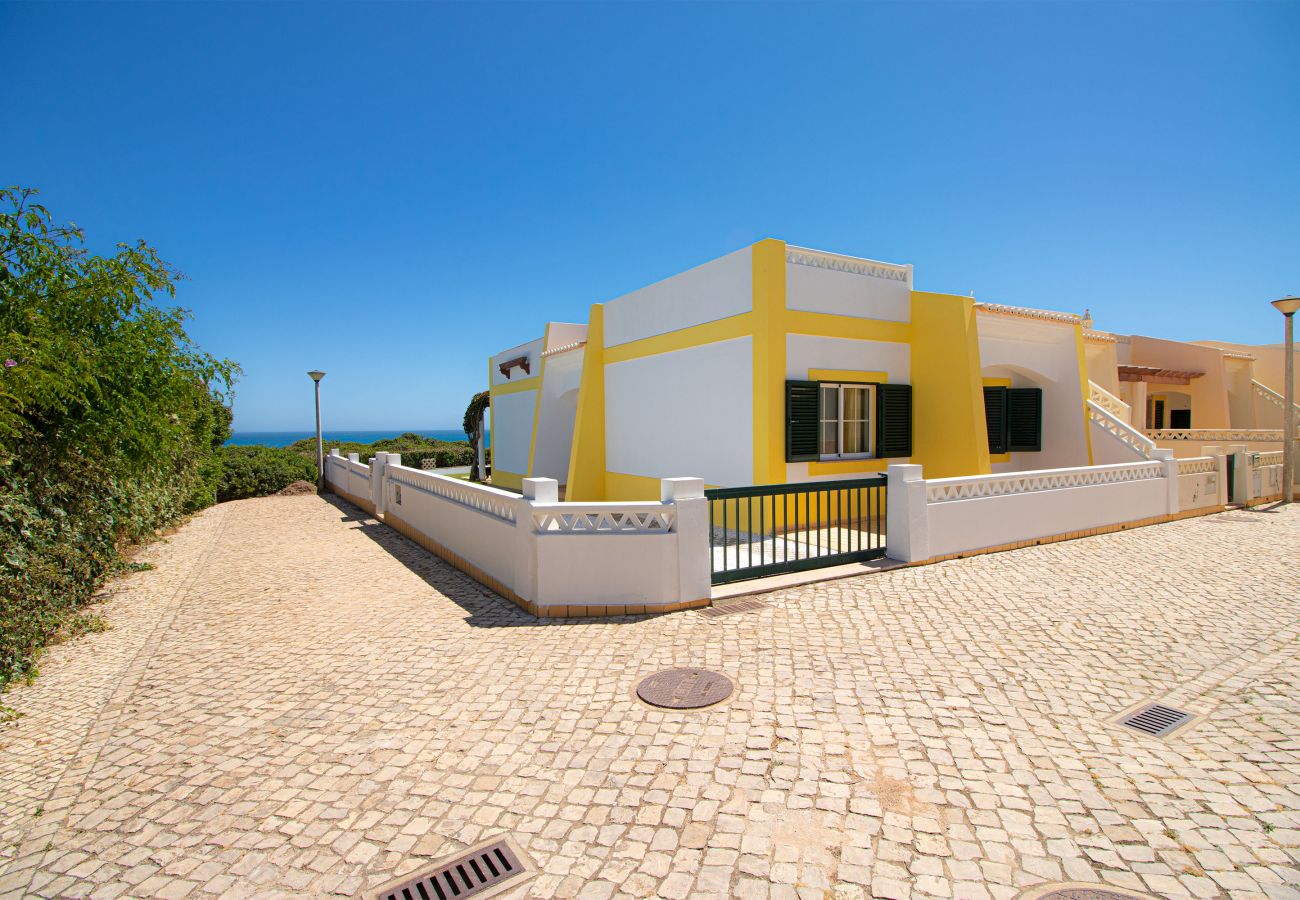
(715, 290)
(687, 410)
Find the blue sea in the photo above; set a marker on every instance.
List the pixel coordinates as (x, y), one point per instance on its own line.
(285, 438)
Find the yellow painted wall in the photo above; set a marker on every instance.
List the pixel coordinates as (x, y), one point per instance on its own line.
(1103, 364)
(587, 455)
(949, 437)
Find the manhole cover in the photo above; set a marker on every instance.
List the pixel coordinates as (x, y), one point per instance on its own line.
(684, 688)
(1081, 891)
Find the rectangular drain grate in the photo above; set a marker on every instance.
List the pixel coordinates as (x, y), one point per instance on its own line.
(476, 873)
(725, 609)
(1156, 720)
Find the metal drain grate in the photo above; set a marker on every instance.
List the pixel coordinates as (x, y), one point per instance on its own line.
(475, 873)
(727, 609)
(1156, 720)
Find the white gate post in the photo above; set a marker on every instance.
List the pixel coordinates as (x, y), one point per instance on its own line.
(907, 518)
(694, 568)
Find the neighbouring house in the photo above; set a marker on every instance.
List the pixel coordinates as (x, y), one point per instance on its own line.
(1184, 396)
(778, 364)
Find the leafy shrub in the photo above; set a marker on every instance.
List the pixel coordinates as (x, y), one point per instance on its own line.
(255, 471)
(110, 420)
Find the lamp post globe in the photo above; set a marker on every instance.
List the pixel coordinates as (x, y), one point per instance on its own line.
(316, 375)
(1287, 306)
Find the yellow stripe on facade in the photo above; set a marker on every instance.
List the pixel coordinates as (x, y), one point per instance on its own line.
(798, 321)
(682, 339)
(515, 387)
(513, 481)
(1083, 385)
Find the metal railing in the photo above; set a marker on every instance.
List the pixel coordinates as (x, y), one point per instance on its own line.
(774, 528)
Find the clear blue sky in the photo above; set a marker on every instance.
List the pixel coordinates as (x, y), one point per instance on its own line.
(392, 192)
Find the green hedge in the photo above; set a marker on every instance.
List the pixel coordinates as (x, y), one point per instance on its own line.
(255, 471)
(110, 421)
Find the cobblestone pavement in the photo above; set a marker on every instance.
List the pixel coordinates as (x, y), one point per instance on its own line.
(299, 702)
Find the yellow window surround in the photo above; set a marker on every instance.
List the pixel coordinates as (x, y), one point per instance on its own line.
(849, 376)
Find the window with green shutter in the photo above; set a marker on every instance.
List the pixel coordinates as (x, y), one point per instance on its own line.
(1014, 419)
(802, 421)
(1024, 419)
(893, 420)
(995, 418)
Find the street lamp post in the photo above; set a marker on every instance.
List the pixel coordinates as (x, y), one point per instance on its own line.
(316, 376)
(1287, 306)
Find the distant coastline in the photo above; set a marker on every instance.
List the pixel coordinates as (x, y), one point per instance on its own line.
(285, 438)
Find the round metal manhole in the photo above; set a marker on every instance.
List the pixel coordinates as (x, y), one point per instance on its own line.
(1077, 891)
(684, 688)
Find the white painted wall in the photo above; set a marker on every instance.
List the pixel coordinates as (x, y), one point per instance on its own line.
(847, 286)
(804, 352)
(1041, 354)
(559, 408)
(562, 334)
(512, 430)
(532, 349)
(561, 554)
(474, 521)
(716, 290)
(954, 515)
(686, 411)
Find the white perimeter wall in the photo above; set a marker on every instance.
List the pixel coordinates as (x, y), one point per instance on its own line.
(847, 286)
(558, 410)
(688, 412)
(716, 290)
(512, 430)
(1044, 355)
(959, 525)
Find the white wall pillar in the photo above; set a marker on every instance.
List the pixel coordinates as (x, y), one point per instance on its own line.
(907, 517)
(1166, 457)
(1243, 485)
(1138, 405)
(378, 479)
(536, 490)
(694, 569)
(1221, 467)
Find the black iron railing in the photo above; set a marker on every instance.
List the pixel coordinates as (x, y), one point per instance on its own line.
(773, 528)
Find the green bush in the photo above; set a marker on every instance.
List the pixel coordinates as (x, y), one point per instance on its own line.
(110, 420)
(255, 471)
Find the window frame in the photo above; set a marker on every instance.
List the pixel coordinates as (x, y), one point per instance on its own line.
(868, 419)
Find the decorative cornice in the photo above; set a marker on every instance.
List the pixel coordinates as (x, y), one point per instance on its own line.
(1233, 354)
(565, 349)
(1104, 337)
(846, 264)
(1025, 312)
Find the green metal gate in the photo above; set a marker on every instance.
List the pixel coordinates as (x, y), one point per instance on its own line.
(773, 528)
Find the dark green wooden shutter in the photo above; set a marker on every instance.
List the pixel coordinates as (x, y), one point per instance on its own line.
(1024, 419)
(802, 420)
(995, 418)
(893, 420)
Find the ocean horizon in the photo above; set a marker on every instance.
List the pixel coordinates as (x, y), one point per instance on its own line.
(367, 436)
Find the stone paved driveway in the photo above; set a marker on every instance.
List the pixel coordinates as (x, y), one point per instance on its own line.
(299, 702)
